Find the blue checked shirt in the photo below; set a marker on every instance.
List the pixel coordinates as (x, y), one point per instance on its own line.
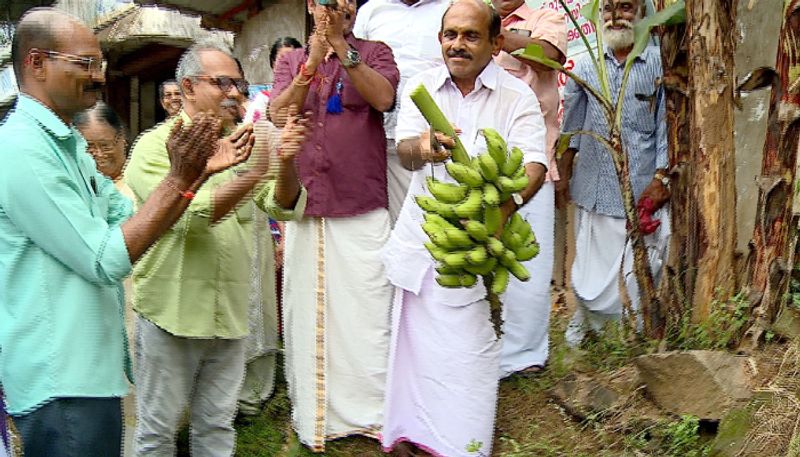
(594, 185)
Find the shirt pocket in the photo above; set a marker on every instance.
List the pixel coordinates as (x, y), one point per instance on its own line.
(642, 102)
(351, 98)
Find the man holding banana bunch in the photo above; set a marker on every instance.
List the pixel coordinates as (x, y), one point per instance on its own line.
(445, 358)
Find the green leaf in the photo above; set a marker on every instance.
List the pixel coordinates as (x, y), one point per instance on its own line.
(535, 53)
(671, 15)
(563, 144)
(591, 11)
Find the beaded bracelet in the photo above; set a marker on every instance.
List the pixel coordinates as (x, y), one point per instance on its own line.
(187, 194)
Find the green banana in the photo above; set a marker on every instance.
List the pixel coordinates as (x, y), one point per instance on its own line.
(530, 239)
(507, 259)
(492, 217)
(483, 269)
(514, 242)
(514, 162)
(519, 173)
(519, 271)
(521, 227)
(430, 228)
(510, 185)
(477, 231)
(464, 174)
(500, 281)
(455, 259)
(431, 205)
(527, 252)
(468, 280)
(477, 256)
(496, 145)
(489, 168)
(445, 270)
(470, 208)
(446, 192)
(496, 247)
(491, 196)
(436, 219)
(440, 239)
(450, 281)
(436, 251)
(458, 238)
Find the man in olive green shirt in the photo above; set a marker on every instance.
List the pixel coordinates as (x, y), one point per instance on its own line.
(191, 289)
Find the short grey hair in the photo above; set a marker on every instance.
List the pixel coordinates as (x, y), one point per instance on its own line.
(190, 63)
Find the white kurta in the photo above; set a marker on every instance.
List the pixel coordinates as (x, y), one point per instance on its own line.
(526, 305)
(600, 250)
(337, 304)
(444, 367)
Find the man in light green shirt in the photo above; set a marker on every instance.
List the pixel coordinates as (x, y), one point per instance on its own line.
(191, 289)
(68, 238)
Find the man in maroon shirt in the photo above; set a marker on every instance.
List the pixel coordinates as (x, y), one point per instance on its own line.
(337, 326)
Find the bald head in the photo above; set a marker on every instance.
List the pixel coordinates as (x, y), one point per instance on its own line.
(477, 8)
(43, 28)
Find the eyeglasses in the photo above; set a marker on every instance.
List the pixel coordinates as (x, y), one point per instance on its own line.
(89, 64)
(226, 84)
(102, 146)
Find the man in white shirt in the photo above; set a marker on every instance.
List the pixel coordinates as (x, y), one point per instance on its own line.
(410, 28)
(445, 358)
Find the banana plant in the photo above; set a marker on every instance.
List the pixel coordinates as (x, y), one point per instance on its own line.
(612, 106)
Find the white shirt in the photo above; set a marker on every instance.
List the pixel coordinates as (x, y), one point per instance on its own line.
(412, 34)
(499, 101)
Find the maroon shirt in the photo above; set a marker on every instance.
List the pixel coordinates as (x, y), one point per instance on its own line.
(343, 162)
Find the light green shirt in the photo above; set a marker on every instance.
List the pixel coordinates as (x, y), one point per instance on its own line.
(194, 281)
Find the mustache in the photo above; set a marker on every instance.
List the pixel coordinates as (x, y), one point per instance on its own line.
(619, 23)
(229, 103)
(459, 53)
(93, 87)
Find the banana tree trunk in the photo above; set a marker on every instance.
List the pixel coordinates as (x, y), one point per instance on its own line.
(648, 301)
(775, 234)
(711, 31)
(676, 287)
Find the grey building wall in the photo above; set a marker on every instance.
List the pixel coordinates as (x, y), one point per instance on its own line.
(251, 46)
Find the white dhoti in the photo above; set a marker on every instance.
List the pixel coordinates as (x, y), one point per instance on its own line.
(337, 304)
(600, 250)
(526, 305)
(397, 179)
(261, 344)
(442, 385)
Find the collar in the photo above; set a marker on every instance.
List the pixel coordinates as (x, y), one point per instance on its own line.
(44, 116)
(645, 54)
(487, 78)
(523, 13)
(416, 5)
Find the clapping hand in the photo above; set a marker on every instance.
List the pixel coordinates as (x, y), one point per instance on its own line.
(292, 136)
(232, 150)
(190, 147)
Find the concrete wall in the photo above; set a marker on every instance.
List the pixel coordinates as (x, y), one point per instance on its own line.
(251, 46)
(759, 27)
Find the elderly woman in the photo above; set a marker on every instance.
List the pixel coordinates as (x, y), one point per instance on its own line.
(107, 142)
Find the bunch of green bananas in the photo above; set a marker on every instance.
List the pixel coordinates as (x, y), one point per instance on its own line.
(462, 220)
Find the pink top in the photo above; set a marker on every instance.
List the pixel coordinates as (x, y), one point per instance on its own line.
(343, 162)
(547, 25)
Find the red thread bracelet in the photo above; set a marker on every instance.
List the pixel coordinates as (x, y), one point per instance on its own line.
(187, 194)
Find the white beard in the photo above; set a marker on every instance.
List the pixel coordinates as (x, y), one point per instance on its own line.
(618, 39)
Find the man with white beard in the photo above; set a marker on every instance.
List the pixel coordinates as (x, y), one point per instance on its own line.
(600, 219)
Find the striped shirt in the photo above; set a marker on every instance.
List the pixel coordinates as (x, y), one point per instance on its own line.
(594, 185)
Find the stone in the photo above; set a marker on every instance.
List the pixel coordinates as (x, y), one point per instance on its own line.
(787, 324)
(705, 384)
(584, 396)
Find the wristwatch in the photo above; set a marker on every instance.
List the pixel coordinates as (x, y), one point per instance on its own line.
(517, 199)
(665, 181)
(351, 58)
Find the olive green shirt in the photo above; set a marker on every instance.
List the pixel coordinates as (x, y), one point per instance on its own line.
(194, 281)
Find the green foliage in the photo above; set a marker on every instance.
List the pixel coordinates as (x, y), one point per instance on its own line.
(680, 438)
(616, 345)
(721, 330)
